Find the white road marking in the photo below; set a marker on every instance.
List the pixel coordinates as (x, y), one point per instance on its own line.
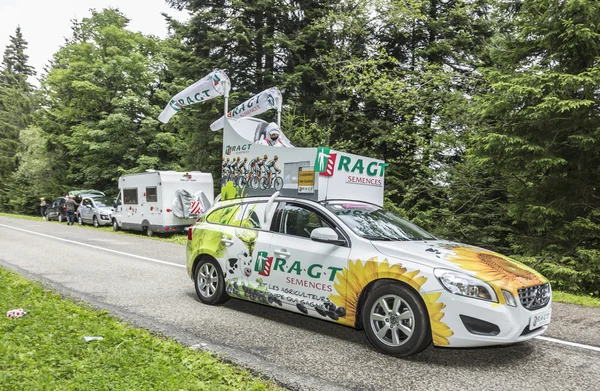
(547, 339)
(95, 247)
(575, 344)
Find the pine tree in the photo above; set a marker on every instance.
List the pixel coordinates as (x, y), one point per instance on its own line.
(16, 106)
(540, 126)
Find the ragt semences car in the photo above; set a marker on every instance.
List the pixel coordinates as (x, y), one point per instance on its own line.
(356, 264)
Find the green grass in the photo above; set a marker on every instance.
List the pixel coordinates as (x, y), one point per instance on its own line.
(24, 217)
(563, 297)
(45, 350)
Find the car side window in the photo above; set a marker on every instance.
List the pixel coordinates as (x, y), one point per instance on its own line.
(297, 220)
(229, 215)
(254, 215)
(87, 202)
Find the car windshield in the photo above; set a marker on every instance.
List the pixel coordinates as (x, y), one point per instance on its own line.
(375, 223)
(103, 201)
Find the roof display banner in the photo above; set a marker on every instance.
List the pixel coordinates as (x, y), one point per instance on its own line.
(211, 86)
(250, 169)
(268, 99)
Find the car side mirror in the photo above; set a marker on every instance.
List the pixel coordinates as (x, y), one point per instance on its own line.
(326, 235)
(115, 204)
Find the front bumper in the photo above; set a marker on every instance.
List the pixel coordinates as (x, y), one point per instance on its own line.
(512, 322)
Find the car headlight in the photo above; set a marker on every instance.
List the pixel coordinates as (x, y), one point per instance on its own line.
(465, 285)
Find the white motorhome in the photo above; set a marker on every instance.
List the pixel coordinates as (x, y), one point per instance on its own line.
(161, 201)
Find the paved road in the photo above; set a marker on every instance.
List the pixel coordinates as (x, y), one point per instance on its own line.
(300, 352)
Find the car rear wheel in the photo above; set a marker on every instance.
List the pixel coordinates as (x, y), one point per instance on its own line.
(96, 225)
(148, 231)
(60, 218)
(396, 320)
(209, 282)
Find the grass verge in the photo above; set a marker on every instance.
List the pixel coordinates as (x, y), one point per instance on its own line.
(563, 297)
(45, 349)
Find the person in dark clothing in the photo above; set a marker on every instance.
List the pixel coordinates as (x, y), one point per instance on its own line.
(43, 207)
(71, 205)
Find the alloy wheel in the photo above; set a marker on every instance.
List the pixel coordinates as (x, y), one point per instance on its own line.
(392, 320)
(208, 280)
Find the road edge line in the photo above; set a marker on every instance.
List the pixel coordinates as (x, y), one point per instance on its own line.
(95, 247)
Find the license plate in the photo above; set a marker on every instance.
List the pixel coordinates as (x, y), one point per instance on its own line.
(539, 320)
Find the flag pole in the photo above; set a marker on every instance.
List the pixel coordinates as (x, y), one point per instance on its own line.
(279, 99)
(226, 95)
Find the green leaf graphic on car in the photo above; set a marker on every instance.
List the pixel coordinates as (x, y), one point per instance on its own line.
(210, 241)
(248, 237)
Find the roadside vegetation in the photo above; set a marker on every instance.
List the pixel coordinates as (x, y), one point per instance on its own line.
(46, 349)
(563, 297)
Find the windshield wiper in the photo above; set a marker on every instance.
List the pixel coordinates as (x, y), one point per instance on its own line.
(382, 238)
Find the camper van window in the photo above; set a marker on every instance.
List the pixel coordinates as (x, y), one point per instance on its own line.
(231, 215)
(130, 196)
(151, 195)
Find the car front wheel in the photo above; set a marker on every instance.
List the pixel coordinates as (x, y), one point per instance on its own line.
(396, 320)
(80, 220)
(209, 282)
(115, 225)
(96, 225)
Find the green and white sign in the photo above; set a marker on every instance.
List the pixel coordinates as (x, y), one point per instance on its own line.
(212, 85)
(259, 103)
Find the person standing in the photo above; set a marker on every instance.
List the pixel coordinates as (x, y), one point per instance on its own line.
(71, 205)
(43, 207)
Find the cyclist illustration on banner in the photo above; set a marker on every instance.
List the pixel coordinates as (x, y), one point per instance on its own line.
(269, 180)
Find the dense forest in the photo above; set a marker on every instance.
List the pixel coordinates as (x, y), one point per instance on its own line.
(487, 111)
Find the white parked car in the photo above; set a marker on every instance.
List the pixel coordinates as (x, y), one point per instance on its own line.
(96, 210)
(359, 265)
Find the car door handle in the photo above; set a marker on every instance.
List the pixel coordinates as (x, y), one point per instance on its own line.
(283, 253)
(227, 242)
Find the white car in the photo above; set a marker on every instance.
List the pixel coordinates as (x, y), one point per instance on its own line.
(95, 210)
(359, 265)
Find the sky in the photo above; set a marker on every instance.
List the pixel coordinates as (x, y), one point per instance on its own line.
(46, 23)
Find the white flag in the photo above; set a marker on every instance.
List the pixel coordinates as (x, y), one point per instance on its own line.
(266, 100)
(212, 85)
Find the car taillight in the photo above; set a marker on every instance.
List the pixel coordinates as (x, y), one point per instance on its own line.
(64, 207)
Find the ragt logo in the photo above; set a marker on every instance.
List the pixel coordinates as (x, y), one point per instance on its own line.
(236, 148)
(325, 161)
(263, 264)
